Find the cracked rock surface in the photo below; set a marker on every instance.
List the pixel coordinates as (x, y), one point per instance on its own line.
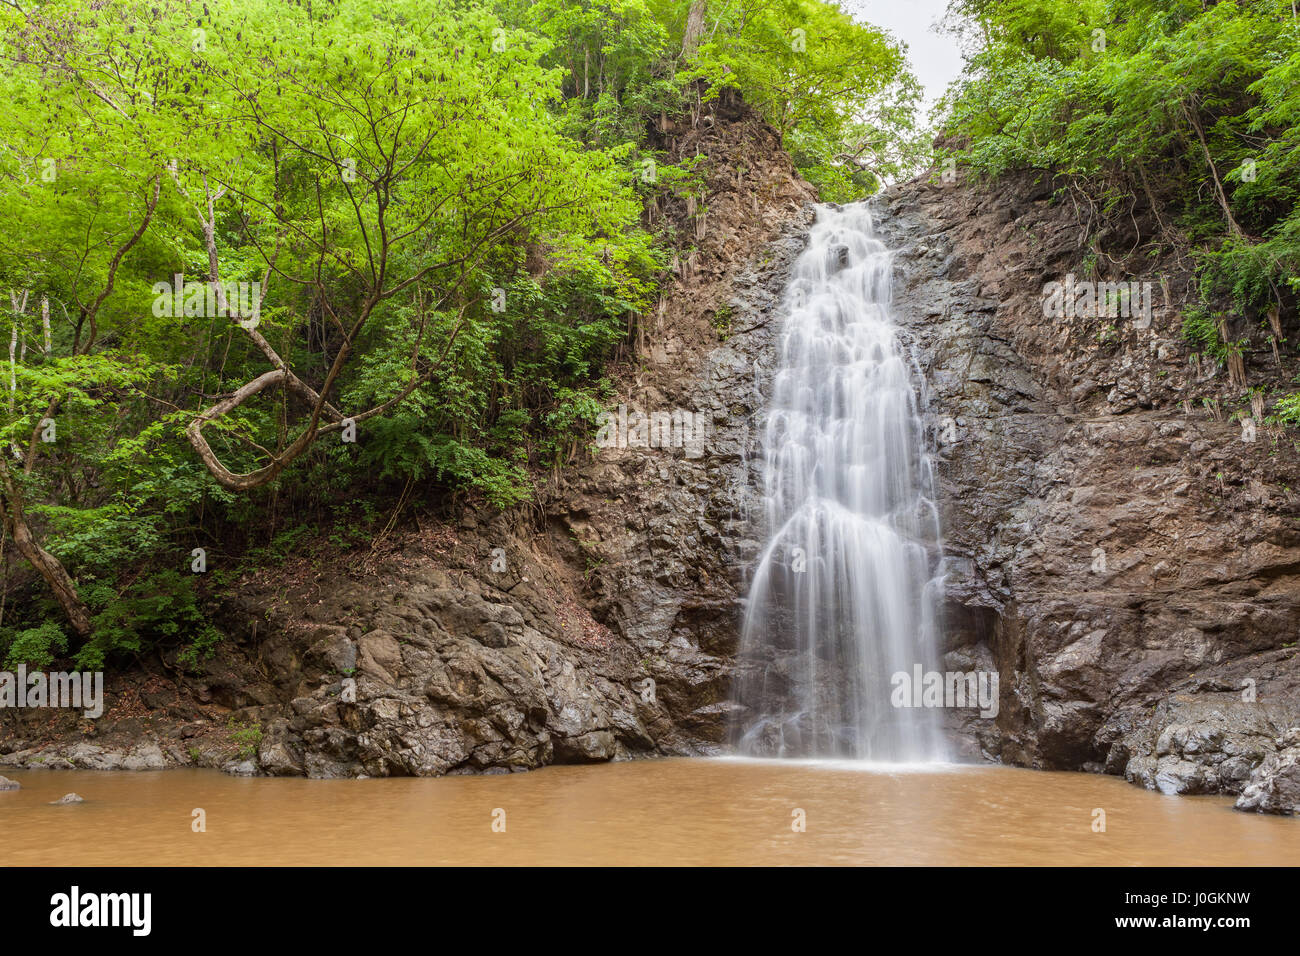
(1126, 561)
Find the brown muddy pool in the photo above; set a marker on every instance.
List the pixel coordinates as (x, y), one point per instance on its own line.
(641, 813)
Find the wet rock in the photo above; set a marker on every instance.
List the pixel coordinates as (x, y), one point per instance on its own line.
(1118, 553)
(7, 784)
(334, 649)
(1274, 785)
(1175, 775)
(277, 753)
(592, 747)
(87, 756)
(279, 760)
(146, 756)
(67, 799)
(1201, 743)
(380, 655)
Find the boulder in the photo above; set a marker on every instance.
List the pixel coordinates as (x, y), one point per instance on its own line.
(1274, 786)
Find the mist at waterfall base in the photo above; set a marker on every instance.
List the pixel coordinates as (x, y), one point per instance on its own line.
(843, 595)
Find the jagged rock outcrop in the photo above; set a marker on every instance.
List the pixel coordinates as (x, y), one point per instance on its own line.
(1274, 786)
(668, 533)
(421, 669)
(1128, 562)
(1201, 743)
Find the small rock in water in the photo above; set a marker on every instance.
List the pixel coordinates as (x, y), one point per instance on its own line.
(66, 799)
(7, 784)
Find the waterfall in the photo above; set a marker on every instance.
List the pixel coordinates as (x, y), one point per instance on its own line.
(843, 596)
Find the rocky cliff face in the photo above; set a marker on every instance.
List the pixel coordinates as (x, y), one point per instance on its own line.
(1116, 547)
(669, 534)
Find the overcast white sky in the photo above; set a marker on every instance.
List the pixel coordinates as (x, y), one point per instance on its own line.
(936, 58)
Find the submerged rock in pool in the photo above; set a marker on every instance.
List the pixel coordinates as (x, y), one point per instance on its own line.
(66, 799)
(7, 784)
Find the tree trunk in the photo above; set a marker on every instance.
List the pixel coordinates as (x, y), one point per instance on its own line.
(694, 28)
(1219, 192)
(13, 365)
(46, 564)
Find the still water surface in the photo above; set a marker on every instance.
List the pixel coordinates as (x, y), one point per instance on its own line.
(659, 812)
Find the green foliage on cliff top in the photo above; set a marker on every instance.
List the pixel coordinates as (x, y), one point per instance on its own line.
(440, 207)
(1193, 105)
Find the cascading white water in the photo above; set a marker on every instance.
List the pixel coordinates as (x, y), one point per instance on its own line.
(843, 594)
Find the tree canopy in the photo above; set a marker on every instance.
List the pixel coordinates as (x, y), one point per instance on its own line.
(242, 232)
